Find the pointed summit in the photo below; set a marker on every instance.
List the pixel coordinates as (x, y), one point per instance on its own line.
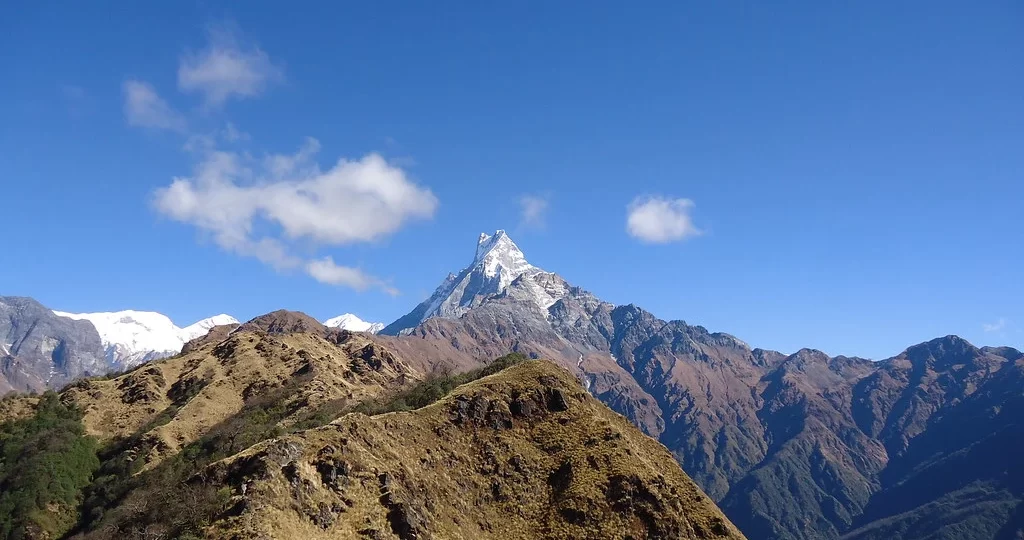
(497, 263)
(499, 257)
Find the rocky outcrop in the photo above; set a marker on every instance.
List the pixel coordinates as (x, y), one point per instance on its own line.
(526, 453)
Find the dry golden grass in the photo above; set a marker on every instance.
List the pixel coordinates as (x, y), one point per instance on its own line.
(526, 453)
(173, 402)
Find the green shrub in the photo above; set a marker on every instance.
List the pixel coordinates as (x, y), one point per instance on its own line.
(45, 462)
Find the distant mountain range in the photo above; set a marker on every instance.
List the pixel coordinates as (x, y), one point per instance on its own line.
(133, 337)
(792, 446)
(43, 349)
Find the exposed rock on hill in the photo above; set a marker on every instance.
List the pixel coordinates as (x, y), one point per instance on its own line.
(523, 454)
(250, 434)
(285, 357)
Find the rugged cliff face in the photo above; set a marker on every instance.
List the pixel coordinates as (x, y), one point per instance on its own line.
(40, 350)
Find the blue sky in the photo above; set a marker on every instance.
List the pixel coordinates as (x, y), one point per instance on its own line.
(853, 171)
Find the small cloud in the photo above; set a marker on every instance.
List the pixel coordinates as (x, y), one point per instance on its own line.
(227, 68)
(143, 107)
(326, 271)
(997, 326)
(532, 211)
(659, 220)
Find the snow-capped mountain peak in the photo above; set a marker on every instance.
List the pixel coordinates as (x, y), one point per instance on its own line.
(133, 337)
(497, 264)
(351, 322)
(498, 256)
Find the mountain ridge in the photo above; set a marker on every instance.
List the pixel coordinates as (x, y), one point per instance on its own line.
(738, 419)
(284, 428)
(794, 446)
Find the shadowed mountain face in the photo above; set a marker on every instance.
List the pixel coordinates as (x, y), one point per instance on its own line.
(40, 350)
(800, 446)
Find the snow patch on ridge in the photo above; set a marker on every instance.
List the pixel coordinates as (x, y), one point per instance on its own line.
(351, 322)
(498, 256)
(201, 328)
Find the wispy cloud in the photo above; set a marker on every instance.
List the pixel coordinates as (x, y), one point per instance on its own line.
(533, 211)
(230, 195)
(659, 220)
(276, 208)
(996, 326)
(327, 271)
(227, 68)
(143, 107)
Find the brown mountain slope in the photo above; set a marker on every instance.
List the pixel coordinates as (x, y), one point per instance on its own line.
(168, 404)
(234, 439)
(526, 453)
(803, 446)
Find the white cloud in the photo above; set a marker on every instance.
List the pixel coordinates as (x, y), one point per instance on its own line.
(659, 220)
(232, 195)
(326, 271)
(532, 210)
(226, 68)
(996, 326)
(143, 107)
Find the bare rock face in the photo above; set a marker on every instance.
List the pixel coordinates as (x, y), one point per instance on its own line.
(40, 350)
